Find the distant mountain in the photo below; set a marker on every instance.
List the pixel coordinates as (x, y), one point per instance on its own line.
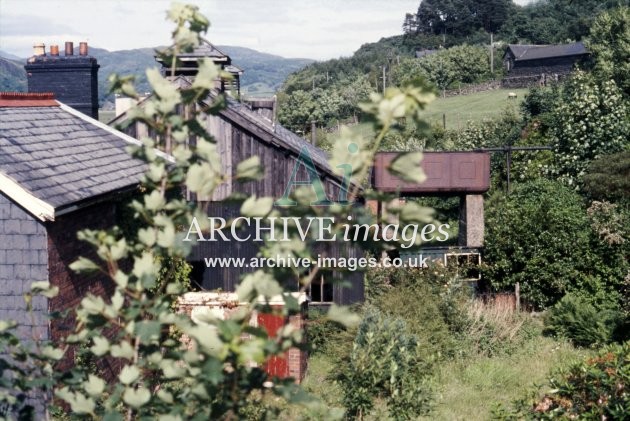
(10, 56)
(263, 73)
(12, 76)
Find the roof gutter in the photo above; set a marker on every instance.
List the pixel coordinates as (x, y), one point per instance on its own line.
(37, 207)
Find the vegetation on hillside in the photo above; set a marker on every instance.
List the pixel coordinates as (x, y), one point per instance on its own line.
(460, 31)
(263, 73)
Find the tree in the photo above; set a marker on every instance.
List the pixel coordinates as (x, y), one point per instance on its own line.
(591, 121)
(609, 43)
(461, 17)
(540, 236)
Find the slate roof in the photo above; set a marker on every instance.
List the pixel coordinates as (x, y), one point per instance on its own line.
(285, 137)
(62, 157)
(536, 52)
(206, 49)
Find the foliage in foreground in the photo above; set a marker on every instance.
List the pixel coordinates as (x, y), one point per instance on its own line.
(218, 373)
(598, 388)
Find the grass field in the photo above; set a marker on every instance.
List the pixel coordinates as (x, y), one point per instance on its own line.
(474, 107)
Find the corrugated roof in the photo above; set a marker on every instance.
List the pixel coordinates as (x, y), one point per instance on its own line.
(536, 52)
(62, 157)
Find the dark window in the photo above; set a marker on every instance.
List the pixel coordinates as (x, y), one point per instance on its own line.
(321, 291)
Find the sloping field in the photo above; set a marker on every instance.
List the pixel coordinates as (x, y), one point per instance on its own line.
(475, 107)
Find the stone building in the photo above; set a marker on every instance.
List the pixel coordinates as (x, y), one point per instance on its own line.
(60, 171)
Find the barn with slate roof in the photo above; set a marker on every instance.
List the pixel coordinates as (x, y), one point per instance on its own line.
(539, 64)
(60, 171)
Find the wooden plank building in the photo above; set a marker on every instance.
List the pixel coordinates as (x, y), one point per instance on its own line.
(241, 131)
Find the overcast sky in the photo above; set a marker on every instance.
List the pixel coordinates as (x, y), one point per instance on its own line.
(318, 29)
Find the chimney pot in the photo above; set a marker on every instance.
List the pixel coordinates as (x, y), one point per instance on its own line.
(69, 48)
(83, 48)
(39, 50)
(54, 50)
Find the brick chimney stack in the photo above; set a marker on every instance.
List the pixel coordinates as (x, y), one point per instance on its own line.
(72, 78)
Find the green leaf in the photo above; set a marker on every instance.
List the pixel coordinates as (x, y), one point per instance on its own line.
(343, 315)
(207, 74)
(166, 92)
(414, 213)
(119, 249)
(44, 288)
(148, 330)
(94, 386)
(250, 169)
(408, 167)
(165, 396)
(172, 369)
(100, 347)
(201, 179)
(147, 236)
(121, 279)
(84, 265)
(256, 284)
(52, 353)
(145, 269)
(93, 304)
(136, 398)
(122, 350)
(129, 374)
(207, 338)
(257, 207)
(6, 325)
(154, 201)
(117, 300)
(169, 417)
(78, 402)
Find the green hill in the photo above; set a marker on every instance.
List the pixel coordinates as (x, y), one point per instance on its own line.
(12, 76)
(264, 73)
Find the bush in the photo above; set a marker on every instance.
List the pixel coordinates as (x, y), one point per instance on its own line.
(538, 236)
(386, 363)
(595, 389)
(430, 309)
(576, 319)
(608, 178)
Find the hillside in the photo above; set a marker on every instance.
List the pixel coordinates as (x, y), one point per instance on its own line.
(264, 73)
(12, 77)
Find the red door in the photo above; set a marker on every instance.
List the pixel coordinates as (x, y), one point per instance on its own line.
(277, 365)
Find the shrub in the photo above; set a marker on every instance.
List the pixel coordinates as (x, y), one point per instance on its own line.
(537, 236)
(429, 302)
(386, 363)
(578, 320)
(593, 389)
(608, 178)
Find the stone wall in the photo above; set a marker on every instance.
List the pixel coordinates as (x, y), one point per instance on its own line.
(23, 260)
